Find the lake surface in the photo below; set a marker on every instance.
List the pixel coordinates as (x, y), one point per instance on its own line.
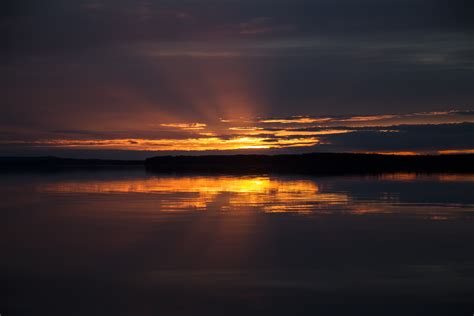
(135, 243)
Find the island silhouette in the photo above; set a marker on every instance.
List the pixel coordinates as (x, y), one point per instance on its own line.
(314, 163)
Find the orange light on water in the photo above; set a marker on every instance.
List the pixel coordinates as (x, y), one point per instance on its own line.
(197, 193)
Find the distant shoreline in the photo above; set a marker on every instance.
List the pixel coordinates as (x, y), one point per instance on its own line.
(51, 163)
(317, 163)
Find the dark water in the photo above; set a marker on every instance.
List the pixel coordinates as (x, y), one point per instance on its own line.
(131, 243)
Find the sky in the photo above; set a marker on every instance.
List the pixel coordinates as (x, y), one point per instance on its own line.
(132, 79)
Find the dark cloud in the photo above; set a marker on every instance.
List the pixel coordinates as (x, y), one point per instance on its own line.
(470, 112)
(417, 138)
(123, 65)
(59, 25)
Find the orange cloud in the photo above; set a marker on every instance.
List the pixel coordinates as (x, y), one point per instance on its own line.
(189, 144)
(185, 126)
(283, 133)
(399, 153)
(241, 132)
(368, 118)
(456, 151)
(296, 120)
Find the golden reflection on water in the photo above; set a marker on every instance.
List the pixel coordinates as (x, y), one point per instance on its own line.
(224, 192)
(407, 176)
(265, 194)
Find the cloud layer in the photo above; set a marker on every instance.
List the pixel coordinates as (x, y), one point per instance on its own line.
(413, 133)
(93, 70)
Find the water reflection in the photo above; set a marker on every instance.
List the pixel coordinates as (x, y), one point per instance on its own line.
(438, 197)
(405, 176)
(225, 192)
(132, 243)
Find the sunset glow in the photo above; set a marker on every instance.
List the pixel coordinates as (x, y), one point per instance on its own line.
(236, 157)
(191, 144)
(308, 133)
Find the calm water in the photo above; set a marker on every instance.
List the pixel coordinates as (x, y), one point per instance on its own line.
(132, 243)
